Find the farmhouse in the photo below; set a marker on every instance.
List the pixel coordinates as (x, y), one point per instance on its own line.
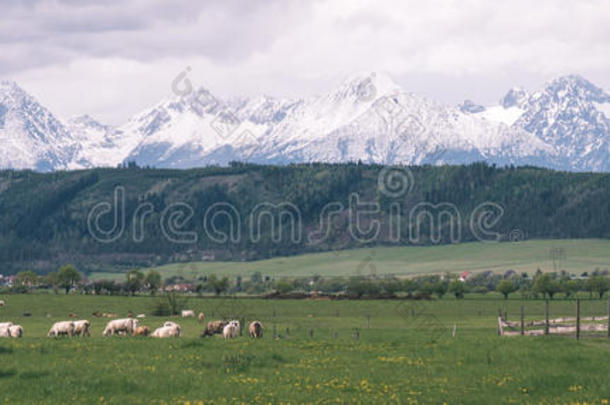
(181, 287)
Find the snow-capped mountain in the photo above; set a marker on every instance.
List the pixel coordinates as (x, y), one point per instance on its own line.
(30, 136)
(368, 117)
(569, 113)
(100, 145)
(384, 124)
(199, 129)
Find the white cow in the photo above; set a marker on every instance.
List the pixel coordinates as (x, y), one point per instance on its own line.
(1, 303)
(5, 324)
(15, 331)
(170, 324)
(62, 328)
(188, 313)
(231, 330)
(167, 331)
(82, 328)
(125, 325)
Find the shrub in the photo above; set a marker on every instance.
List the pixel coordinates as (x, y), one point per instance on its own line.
(169, 304)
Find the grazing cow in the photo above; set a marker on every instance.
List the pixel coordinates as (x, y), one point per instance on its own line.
(1, 303)
(140, 316)
(188, 313)
(7, 329)
(201, 317)
(170, 324)
(126, 325)
(72, 315)
(82, 328)
(166, 331)
(256, 329)
(62, 328)
(231, 330)
(213, 327)
(142, 331)
(15, 331)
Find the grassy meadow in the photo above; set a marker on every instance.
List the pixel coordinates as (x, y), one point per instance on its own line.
(580, 255)
(406, 353)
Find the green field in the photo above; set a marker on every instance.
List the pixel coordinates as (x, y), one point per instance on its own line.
(580, 255)
(407, 355)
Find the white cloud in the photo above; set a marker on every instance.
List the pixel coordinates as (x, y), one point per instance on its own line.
(112, 60)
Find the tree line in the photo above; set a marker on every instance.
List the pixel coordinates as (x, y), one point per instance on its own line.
(44, 216)
(136, 282)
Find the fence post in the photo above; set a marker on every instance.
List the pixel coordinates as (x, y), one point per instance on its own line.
(546, 319)
(522, 320)
(578, 319)
(609, 317)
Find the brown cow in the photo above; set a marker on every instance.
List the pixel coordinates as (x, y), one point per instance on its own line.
(256, 329)
(142, 331)
(213, 328)
(201, 317)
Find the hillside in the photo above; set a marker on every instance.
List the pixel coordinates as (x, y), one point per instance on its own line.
(580, 255)
(50, 219)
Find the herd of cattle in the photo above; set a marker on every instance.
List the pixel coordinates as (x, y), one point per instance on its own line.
(131, 326)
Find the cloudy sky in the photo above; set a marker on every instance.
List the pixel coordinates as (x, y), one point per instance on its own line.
(113, 58)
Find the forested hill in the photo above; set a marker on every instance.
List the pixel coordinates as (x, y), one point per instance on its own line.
(128, 217)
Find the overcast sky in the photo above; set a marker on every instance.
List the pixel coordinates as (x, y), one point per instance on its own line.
(113, 58)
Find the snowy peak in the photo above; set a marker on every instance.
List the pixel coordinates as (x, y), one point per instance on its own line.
(30, 136)
(575, 87)
(569, 114)
(9, 88)
(86, 122)
(181, 132)
(469, 106)
(365, 88)
(516, 97)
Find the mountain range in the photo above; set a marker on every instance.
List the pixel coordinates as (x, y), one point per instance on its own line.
(564, 125)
